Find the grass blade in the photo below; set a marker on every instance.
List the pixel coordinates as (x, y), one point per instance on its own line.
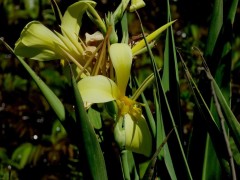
(167, 114)
(211, 156)
(170, 81)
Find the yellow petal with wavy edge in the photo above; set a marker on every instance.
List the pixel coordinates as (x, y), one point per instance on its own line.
(98, 89)
(151, 37)
(136, 4)
(37, 42)
(121, 57)
(138, 136)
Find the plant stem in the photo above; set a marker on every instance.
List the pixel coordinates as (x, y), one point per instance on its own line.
(124, 161)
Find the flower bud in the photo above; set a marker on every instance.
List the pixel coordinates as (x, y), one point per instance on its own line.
(136, 4)
(133, 135)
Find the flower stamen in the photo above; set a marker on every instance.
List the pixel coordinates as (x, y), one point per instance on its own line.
(129, 106)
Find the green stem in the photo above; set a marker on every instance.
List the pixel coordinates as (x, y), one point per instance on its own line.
(124, 161)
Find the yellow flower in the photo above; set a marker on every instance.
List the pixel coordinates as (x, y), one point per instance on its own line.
(100, 89)
(40, 43)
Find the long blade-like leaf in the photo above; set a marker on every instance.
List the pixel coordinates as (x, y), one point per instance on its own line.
(232, 121)
(170, 81)
(52, 99)
(95, 167)
(167, 115)
(214, 129)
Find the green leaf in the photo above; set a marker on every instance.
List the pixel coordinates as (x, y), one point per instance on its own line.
(12, 83)
(161, 140)
(3, 154)
(150, 169)
(215, 27)
(211, 166)
(32, 7)
(57, 11)
(95, 118)
(58, 132)
(200, 143)
(132, 166)
(20, 156)
(96, 19)
(170, 83)
(230, 118)
(94, 164)
(140, 88)
(52, 99)
(164, 105)
(218, 54)
(125, 32)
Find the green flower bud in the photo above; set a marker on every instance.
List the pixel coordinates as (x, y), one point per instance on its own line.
(136, 4)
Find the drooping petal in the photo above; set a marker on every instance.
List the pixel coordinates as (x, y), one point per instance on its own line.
(138, 136)
(37, 42)
(98, 89)
(72, 18)
(121, 56)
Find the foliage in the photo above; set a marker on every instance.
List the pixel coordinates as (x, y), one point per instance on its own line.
(103, 102)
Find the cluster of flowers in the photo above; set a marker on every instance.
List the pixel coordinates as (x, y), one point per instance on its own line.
(102, 63)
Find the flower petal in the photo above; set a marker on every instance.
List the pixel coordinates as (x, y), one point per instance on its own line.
(138, 136)
(70, 47)
(72, 18)
(98, 89)
(121, 56)
(37, 42)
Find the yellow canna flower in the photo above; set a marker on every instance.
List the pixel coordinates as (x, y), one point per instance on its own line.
(100, 89)
(40, 43)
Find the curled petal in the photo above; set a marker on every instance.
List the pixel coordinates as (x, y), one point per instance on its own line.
(138, 136)
(98, 89)
(37, 42)
(72, 18)
(121, 57)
